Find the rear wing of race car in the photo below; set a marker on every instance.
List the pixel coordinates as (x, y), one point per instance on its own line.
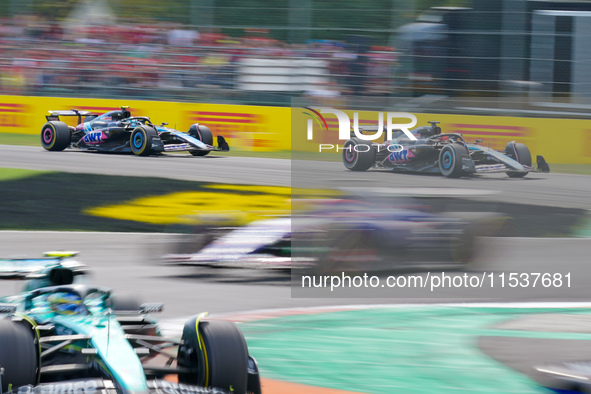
(55, 115)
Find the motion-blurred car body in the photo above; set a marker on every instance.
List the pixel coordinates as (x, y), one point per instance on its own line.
(433, 152)
(350, 235)
(61, 334)
(260, 244)
(567, 377)
(118, 131)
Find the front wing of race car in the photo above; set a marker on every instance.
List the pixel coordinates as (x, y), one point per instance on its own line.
(506, 163)
(185, 142)
(106, 386)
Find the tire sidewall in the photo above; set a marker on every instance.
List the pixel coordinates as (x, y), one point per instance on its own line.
(48, 136)
(448, 160)
(211, 356)
(358, 160)
(203, 134)
(18, 354)
(350, 155)
(55, 136)
(140, 142)
(520, 153)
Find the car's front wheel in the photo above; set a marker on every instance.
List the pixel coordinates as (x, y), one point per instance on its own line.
(141, 140)
(218, 352)
(203, 134)
(450, 160)
(18, 356)
(520, 153)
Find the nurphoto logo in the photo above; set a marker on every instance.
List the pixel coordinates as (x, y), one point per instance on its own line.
(345, 124)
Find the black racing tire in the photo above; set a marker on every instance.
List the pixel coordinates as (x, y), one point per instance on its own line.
(358, 155)
(221, 360)
(55, 136)
(450, 160)
(18, 355)
(203, 134)
(519, 152)
(140, 140)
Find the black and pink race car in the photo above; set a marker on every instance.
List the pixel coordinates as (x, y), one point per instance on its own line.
(436, 153)
(118, 131)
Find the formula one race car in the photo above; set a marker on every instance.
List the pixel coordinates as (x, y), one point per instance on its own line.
(433, 152)
(375, 231)
(118, 131)
(61, 335)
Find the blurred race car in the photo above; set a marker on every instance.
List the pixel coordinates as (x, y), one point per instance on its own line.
(567, 377)
(118, 131)
(358, 235)
(260, 244)
(63, 335)
(437, 153)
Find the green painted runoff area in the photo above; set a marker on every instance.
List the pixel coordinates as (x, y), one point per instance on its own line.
(430, 349)
(17, 173)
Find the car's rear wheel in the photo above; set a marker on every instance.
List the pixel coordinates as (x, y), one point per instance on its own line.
(450, 160)
(18, 355)
(520, 153)
(55, 136)
(141, 140)
(218, 352)
(358, 155)
(203, 134)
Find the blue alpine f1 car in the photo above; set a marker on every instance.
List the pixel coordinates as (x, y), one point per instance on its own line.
(118, 131)
(436, 153)
(62, 335)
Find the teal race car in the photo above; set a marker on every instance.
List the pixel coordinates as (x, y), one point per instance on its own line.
(61, 334)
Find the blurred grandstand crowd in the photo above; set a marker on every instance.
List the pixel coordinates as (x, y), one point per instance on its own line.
(172, 61)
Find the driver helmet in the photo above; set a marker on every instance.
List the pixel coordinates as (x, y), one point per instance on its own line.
(66, 303)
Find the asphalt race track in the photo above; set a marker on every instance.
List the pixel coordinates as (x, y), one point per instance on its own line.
(562, 190)
(128, 262)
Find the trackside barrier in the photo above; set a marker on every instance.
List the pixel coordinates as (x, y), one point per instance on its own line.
(247, 128)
